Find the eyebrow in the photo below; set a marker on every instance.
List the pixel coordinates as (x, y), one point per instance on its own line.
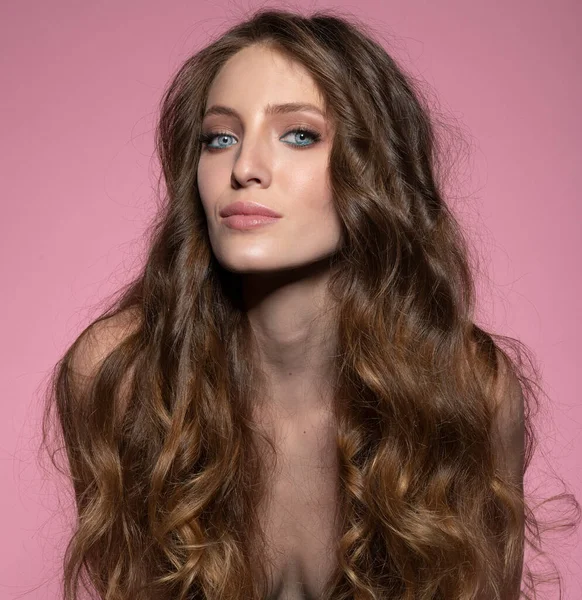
(270, 109)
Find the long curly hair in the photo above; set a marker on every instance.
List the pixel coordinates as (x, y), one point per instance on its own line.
(154, 398)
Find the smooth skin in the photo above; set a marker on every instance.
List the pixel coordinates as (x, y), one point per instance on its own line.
(260, 157)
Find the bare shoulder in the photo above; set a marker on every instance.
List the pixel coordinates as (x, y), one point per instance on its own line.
(97, 342)
(508, 424)
(508, 428)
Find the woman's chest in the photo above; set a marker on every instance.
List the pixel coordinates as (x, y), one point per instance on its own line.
(298, 515)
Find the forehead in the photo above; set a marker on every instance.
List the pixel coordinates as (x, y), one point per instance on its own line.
(263, 75)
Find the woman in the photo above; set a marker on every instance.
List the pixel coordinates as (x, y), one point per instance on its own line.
(292, 399)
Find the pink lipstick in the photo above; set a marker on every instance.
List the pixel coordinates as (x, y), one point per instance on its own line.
(248, 215)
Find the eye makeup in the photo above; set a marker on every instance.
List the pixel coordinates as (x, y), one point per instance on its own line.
(206, 137)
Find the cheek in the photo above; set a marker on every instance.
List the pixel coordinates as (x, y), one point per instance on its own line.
(315, 219)
(310, 188)
(202, 184)
(208, 182)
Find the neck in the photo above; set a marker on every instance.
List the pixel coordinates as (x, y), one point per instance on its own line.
(295, 336)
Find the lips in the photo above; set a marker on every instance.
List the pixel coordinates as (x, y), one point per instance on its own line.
(248, 208)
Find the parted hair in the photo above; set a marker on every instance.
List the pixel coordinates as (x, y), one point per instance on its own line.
(434, 414)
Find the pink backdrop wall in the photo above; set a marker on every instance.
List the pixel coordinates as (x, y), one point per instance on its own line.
(80, 87)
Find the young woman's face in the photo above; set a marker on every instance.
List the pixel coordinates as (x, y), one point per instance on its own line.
(252, 155)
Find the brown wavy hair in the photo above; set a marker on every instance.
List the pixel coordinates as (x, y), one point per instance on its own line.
(434, 414)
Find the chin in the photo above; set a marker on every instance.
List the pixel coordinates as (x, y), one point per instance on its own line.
(250, 265)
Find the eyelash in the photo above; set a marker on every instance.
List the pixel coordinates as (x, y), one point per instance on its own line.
(206, 138)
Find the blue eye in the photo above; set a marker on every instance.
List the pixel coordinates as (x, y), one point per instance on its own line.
(305, 132)
(207, 138)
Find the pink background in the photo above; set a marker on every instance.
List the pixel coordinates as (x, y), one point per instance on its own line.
(80, 86)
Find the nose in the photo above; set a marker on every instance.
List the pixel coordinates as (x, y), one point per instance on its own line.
(252, 163)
